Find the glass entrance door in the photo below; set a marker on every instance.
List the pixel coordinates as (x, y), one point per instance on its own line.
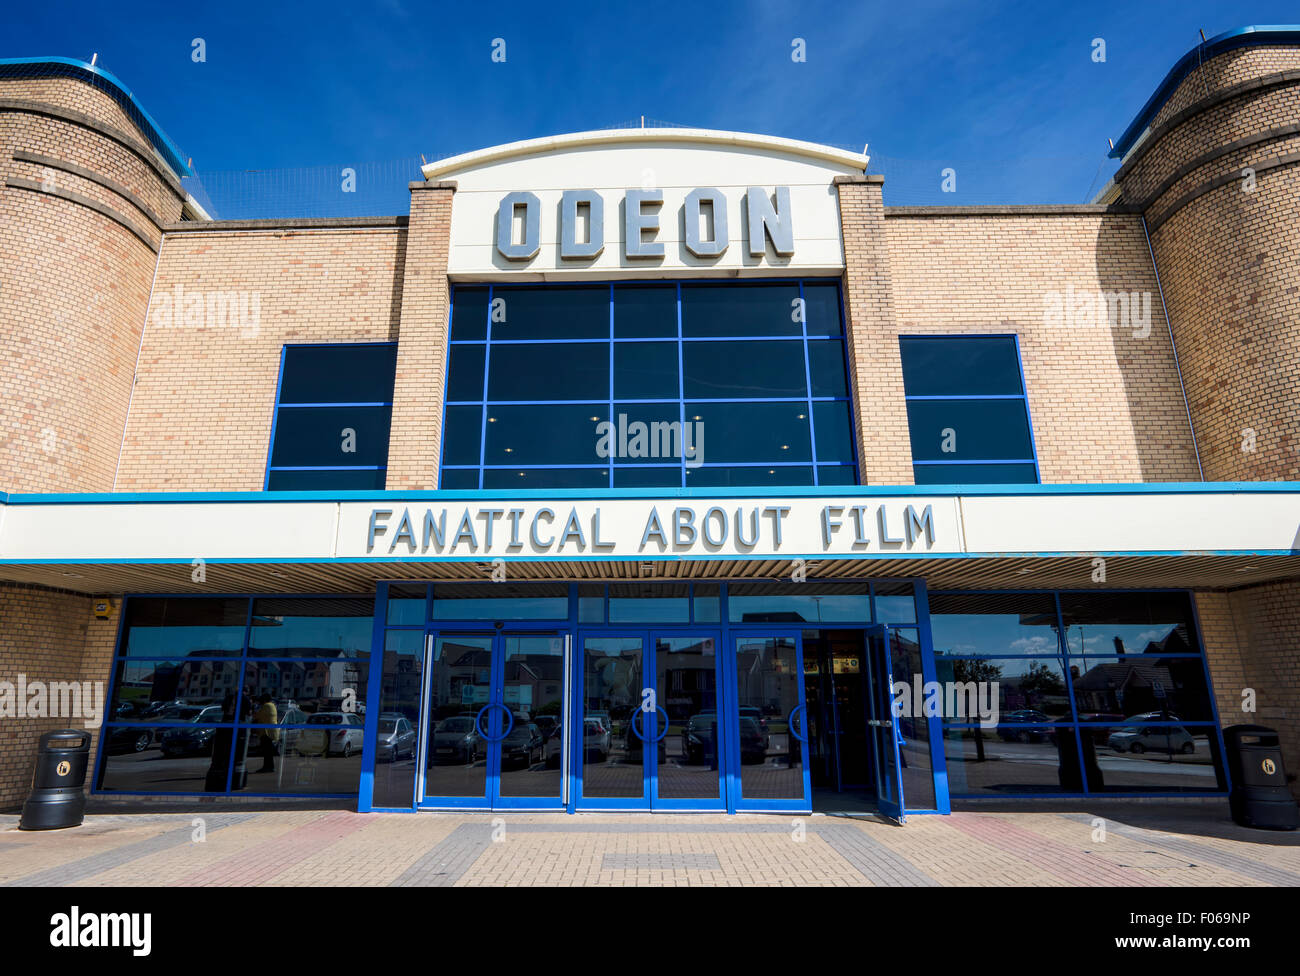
(882, 725)
(650, 721)
(495, 721)
(768, 743)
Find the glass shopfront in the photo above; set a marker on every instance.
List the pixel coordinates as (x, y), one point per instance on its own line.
(656, 696)
(676, 695)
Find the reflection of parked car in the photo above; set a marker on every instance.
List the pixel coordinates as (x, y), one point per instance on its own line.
(595, 738)
(396, 738)
(457, 740)
(1150, 717)
(524, 742)
(700, 738)
(341, 734)
(753, 740)
(636, 726)
(1100, 734)
(1139, 739)
(128, 710)
(553, 734)
(187, 740)
(129, 740)
(1030, 726)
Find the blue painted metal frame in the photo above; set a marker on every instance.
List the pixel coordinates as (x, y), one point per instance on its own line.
(649, 799)
(275, 412)
(891, 798)
(680, 340)
(938, 758)
(1022, 396)
(375, 690)
(492, 798)
(737, 802)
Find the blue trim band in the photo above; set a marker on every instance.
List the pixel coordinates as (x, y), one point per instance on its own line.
(666, 494)
(122, 95)
(1240, 37)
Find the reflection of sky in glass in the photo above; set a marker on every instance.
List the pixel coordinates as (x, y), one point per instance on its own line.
(168, 641)
(498, 608)
(1009, 668)
(990, 633)
(1100, 638)
(810, 609)
(350, 635)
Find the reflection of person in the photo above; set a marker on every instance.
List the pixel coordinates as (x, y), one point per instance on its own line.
(267, 715)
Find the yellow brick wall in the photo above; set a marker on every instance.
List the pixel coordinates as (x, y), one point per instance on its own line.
(42, 636)
(1252, 641)
(1229, 259)
(416, 437)
(74, 283)
(202, 409)
(1105, 403)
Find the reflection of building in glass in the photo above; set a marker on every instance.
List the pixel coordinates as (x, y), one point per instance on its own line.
(1124, 688)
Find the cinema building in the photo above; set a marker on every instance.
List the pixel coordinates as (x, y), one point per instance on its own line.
(654, 469)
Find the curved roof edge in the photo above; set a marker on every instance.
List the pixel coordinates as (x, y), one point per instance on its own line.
(599, 137)
(121, 94)
(1239, 37)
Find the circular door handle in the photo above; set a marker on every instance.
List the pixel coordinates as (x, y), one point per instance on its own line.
(660, 736)
(479, 718)
(790, 721)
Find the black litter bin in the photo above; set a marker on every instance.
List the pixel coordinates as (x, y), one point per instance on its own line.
(56, 799)
(1259, 796)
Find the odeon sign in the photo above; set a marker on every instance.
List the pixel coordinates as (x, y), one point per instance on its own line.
(768, 219)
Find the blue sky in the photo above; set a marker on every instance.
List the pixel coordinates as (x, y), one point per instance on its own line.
(1007, 94)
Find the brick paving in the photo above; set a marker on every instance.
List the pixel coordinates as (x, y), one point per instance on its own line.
(1146, 845)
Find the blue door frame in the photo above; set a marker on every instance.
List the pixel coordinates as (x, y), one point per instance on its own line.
(649, 725)
(883, 726)
(493, 721)
(737, 802)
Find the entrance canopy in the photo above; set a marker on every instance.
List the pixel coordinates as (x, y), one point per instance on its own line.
(1194, 535)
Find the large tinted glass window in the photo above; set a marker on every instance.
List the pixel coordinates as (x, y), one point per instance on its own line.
(739, 383)
(332, 416)
(1110, 694)
(239, 696)
(967, 410)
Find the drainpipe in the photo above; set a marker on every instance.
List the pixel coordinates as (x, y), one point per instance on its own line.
(1177, 367)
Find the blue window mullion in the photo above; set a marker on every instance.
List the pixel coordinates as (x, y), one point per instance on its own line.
(807, 378)
(609, 416)
(681, 385)
(487, 368)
